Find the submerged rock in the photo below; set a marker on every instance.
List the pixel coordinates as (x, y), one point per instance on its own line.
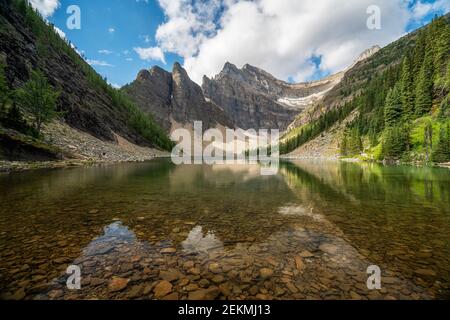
(266, 272)
(117, 284)
(162, 289)
(328, 248)
(168, 250)
(204, 294)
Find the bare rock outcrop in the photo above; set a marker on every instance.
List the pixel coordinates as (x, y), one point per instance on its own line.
(174, 100)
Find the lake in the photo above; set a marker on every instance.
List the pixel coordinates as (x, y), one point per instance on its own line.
(158, 231)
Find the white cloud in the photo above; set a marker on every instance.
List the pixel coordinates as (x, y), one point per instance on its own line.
(152, 53)
(45, 7)
(105, 51)
(279, 36)
(114, 85)
(188, 25)
(100, 63)
(421, 9)
(111, 30)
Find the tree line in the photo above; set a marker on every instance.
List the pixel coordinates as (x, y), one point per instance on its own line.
(393, 101)
(416, 89)
(46, 39)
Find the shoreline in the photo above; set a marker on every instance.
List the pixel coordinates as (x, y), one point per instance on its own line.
(385, 163)
(7, 167)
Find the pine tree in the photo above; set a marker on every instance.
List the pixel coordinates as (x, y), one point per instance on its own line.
(5, 92)
(343, 145)
(442, 46)
(444, 109)
(393, 107)
(428, 139)
(442, 152)
(406, 87)
(394, 144)
(424, 86)
(373, 138)
(419, 53)
(39, 99)
(354, 143)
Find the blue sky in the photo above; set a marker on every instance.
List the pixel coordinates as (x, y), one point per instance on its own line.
(203, 35)
(110, 29)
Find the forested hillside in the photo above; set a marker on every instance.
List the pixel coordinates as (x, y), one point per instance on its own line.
(36, 64)
(403, 111)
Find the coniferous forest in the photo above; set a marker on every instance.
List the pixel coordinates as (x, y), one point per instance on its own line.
(402, 113)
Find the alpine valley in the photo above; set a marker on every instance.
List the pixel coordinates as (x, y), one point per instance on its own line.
(351, 114)
(364, 178)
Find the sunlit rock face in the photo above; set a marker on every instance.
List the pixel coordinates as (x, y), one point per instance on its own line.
(174, 100)
(253, 98)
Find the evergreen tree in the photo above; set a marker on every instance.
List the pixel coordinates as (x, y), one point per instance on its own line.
(373, 138)
(394, 144)
(428, 139)
(444, 109)
(393, 107)
(39, 99)
(406, 83)
(5, 92)
(354, 143)
(343, 145)
(424, 87)
(442, 46)
(419, 53)
(442, 152)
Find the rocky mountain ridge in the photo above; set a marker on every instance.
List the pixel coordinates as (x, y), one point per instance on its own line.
(86, 105)
(174, 100)
(253, 98)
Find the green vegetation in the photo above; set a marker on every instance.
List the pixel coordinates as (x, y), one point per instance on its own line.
(351, 144)
(395, 142)
(391, 105)
(312, 130)
(38, 99)
(48, 39)
(10, 114)
(5, 91)
(393, 109)
(442, 151)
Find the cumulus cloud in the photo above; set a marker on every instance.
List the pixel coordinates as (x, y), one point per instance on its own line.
(105, 51)
(45, 7)
(99, 63)
(152, 53)
(279, 36)
(421, 9)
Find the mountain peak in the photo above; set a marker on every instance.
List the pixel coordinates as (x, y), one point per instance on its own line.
(177, 67)
(180, 74)
(368, 53)
(257, 71)
(229, 68)
(250, 67)
(143, 75)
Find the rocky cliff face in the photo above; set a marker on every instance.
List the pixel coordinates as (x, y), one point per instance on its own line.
(85, 107)
(331, 97)
(255, 99)
(174, 99)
